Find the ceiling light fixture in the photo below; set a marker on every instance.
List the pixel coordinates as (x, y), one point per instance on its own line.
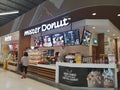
(113, 34)
(8, 13)
(93, 14)
(108, 30)
(93, 27)
(118, 15)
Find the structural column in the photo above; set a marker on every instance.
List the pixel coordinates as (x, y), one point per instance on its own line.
(100, 49)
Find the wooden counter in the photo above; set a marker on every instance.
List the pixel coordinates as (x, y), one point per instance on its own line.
(44, 71)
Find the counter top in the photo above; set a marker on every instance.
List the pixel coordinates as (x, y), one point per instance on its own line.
(87, 65)
(51, 66)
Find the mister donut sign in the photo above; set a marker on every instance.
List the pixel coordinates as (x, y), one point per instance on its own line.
(46, 27)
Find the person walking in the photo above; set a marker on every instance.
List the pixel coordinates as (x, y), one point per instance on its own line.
(25, 63)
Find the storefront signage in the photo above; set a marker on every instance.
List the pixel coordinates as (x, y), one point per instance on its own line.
(8, 38)
(47, 27)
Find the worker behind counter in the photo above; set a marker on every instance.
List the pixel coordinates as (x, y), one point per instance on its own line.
(57, 57)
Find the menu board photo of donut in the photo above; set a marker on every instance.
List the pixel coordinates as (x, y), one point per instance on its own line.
(58, 39)
(86, 37)
(38, 42)
(72, 37)
(47, 41)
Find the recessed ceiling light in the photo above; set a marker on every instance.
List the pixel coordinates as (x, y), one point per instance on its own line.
(93, 27)
(113, 34)
(93, 14)
(108, 30)
(118, 15)
(69, 18)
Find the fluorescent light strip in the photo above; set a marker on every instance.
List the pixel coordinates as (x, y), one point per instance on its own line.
(7, 13)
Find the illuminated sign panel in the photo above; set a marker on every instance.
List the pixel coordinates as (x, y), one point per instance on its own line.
(47, 27)
(8, 38)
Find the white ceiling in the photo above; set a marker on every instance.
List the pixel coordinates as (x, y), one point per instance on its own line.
(102, 26)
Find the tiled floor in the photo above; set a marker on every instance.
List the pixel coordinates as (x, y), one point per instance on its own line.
(12, 81)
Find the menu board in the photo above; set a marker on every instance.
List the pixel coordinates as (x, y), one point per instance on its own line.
(72, 37)
(86, 36)
(38, 42)
(47, 41)
(58, 39)
(87, 77)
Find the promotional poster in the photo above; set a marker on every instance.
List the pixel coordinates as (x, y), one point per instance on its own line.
(87, 77)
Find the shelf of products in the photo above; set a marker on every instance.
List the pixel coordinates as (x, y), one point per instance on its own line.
(12, 65)
(10, 62)
(38, 56)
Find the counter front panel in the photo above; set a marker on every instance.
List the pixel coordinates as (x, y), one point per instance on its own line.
(42, 71)
(87, 75)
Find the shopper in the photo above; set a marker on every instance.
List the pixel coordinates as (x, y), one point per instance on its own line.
(24, 62)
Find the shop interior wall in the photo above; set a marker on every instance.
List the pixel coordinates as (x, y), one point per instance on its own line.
(0, 45)
(5, 49)
(81, 25)
(112, 47)
(80, 49)
(48, 10)
(119, 51)
(100, 49)
(109, 45)
(94, 36)
(1, 56)
(24, 43)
